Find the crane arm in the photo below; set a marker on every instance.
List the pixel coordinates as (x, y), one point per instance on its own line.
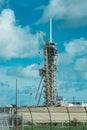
(38, 88)
(41, 38)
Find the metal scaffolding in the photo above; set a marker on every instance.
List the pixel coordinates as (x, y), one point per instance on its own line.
(50, 72)
(50, 65)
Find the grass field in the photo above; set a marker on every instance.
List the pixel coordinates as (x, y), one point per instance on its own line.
(80, 126)
(52, 126)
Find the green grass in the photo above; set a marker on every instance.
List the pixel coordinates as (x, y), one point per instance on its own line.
(59, 126)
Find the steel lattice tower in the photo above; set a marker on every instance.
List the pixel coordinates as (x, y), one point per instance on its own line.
(50, 71)
(50, 75)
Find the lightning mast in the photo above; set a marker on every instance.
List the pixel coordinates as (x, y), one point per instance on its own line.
(50, 71)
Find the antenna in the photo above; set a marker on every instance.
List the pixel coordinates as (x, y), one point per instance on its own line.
(50, 30)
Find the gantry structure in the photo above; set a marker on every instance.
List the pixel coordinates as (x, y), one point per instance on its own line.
(49, 73)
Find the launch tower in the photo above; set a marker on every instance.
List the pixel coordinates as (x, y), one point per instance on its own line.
(50, 71)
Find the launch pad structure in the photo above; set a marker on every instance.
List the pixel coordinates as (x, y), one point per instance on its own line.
(50, 71)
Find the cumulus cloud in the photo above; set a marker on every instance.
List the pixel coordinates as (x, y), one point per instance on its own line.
(77, 47)
(73, 13)
(73, 49)
(28, 72)
(25, 86)
(81, 65)
(72, 64)
(15, 41)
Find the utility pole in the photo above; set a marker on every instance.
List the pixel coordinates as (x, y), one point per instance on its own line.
(16, 121)
(16, 96)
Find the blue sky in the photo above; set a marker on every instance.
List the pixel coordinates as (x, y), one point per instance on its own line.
(20, 22)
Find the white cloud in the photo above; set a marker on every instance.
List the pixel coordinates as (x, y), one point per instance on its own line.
(8, 86)
(81, 66)
(28, 72)
(15, 41)
(77, 47)
(64, 58)
(73, 12)
(73, 49)
(73, 61)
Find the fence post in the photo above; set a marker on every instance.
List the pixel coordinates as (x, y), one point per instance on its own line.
(22, 123)
(50, 118)
(62, 124)
(69, 117)
(31, 116)
(85, 110)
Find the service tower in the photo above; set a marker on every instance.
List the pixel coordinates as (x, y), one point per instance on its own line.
(50, 71)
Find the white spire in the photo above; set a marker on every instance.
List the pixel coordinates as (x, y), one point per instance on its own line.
(50, 30)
